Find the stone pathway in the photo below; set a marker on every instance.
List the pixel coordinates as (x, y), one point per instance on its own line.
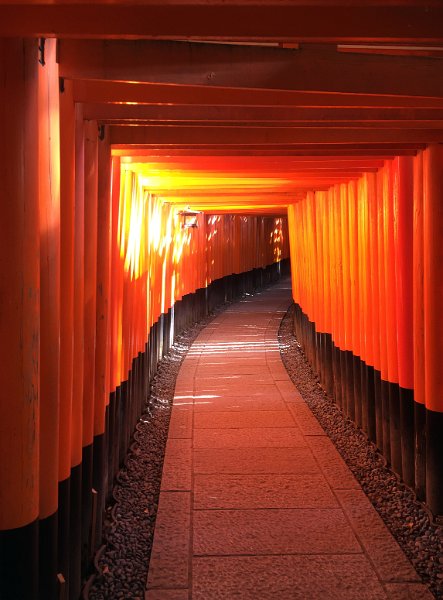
(256, 503)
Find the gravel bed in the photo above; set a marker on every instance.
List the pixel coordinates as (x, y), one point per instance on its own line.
(407, 519)
(122, 562)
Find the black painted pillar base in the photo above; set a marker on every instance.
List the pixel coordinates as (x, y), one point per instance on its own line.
(86, 507)
(98, 483)
(329, 369)
(371, 403)
(75, 528)
(47, 577)
(420, 450)
(344, 382)
(378, 402)
(123, 419)
(434, 461)
(356, 376)
(64, 549)
(337, 387)
(407, 435)
(364, 396)
(385, 420)
(19, 563)
(395, 427)
(349, 384)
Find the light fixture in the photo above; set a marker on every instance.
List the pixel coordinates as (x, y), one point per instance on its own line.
(189, 218)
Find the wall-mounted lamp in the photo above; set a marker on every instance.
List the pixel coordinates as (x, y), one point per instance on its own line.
(189, 218)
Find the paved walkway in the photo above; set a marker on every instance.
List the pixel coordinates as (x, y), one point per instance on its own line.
(256, 503)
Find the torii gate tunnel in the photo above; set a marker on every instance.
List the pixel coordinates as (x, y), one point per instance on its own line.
(160, 158)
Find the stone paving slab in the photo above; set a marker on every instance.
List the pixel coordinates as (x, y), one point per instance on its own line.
(169, 564)
(256, 502)
(240, 420)
(305, 420)
(294, 490)
(308, 577)
(221, 394)
(240, 403)
(302, 531)
(238, 461)
(167, 595)
(177, 466)
(242, 362)
(331, 463)
(236, 388)
(254, 437)
(386, 555)
(231, 367)
(180, 425)
(408, 591)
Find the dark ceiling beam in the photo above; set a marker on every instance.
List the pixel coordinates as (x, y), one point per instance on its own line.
(269, 135)
(312, 67)
(98, 91)
(392, 125)
(405, 22)
(114, 112)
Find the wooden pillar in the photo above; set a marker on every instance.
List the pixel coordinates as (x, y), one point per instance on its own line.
(348, 388)
(354, 301)
(339, 383)
(115, 322)
(49, 203)
(90, 291)
(418, 333)
(433, 323)
(382, 313)
(102, 350)
(77, 387)
(403, 242)
(374, 399)
(67, 141)
(390, 191)
(19, 319)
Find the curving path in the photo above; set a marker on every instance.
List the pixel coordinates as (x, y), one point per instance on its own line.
(256, 502)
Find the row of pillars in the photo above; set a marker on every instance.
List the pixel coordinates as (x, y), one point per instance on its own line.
(96, 275)
(53, 323)
(367, 279)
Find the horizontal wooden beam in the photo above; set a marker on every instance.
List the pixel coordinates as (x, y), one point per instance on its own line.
(263, 135)
(379, 151)
(273, 212)
(395, 124)
(312, 67)
(251, 195)
(221, 200)
(257, 172)
(92, 91)
(228, 164)
(106, 113)
(269, 193)
(261, 21)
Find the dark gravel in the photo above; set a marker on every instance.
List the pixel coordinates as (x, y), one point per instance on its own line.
(407, 519)
(122, 562)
